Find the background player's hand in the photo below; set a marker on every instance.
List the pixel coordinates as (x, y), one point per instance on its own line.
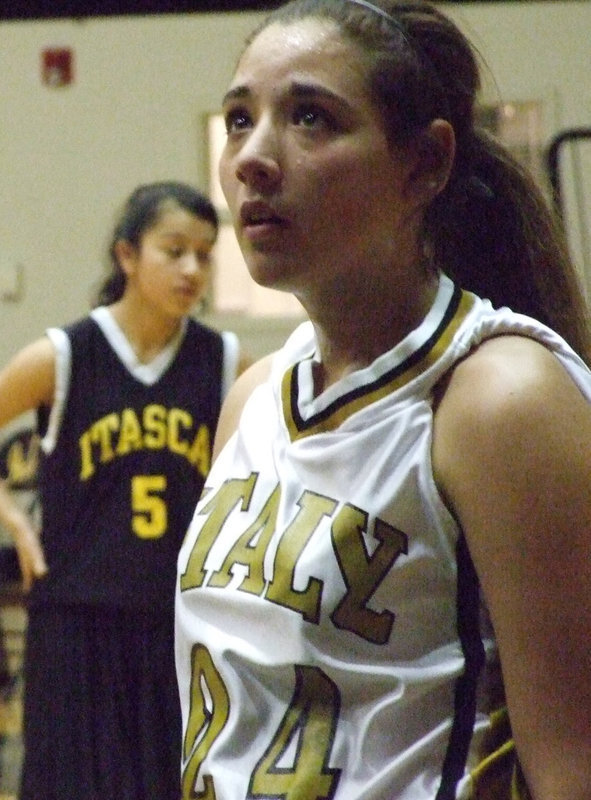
(30, 553)
(25, 537)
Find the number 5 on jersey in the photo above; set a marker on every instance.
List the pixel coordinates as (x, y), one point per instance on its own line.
(149, 518)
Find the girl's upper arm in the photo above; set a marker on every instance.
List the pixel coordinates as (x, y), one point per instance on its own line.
(512, 455)
(236, 398)
(28, 380)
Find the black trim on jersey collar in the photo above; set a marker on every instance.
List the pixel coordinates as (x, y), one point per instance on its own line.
(303, 426)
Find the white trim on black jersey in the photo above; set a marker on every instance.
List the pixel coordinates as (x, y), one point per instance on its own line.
(148, 374)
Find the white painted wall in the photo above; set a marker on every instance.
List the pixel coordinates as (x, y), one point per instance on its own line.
(135, 112)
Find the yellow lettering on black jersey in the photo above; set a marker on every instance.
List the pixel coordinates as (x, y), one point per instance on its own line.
(119, 434)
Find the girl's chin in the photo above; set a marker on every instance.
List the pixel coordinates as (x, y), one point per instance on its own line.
(186, 302)
(268, 273)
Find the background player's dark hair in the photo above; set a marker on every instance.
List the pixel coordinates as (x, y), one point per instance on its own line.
(491, 228)
(139, 214)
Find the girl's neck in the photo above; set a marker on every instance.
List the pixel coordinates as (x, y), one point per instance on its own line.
(352, 336)
(147, 333)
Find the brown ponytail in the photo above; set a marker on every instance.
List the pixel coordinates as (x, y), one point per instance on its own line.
(496, 235)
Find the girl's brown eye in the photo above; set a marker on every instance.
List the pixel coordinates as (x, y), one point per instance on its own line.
(307, 118)
(236, 120)
(313, 116)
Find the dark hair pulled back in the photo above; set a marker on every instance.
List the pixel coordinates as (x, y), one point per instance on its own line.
(491, 228)
(140, 213)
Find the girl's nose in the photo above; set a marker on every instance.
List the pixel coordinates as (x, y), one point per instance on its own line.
(194, 263)
(257, 163)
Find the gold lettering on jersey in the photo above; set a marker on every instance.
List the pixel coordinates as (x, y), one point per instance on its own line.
(261, 546)
(156, 428)
(22, 462)
(130, 433)
(310, 721)
(208, 713)
(217, 511)
(179, 422)
(200, 453)
(312, 508)
(363, 572)
(99, 434)
(250, 550)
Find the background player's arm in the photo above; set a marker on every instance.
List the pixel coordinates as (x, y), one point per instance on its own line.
(512, 454)
(237, 397)
(26, 382)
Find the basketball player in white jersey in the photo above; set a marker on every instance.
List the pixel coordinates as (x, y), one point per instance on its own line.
(402, 497)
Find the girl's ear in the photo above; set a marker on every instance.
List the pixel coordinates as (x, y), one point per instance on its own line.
(126, 255)
(434, 153)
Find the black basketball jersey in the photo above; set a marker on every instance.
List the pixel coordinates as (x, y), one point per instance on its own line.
(120, 486)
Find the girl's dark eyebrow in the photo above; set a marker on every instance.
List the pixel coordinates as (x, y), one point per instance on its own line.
(297, 89)
(235, 94)
(313, 90)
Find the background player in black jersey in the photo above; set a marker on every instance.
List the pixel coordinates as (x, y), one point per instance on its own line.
(127, 401)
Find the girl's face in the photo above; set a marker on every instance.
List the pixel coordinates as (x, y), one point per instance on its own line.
(317, 195)
(169, 272)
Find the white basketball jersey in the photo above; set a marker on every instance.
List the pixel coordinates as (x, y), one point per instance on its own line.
(330, 635)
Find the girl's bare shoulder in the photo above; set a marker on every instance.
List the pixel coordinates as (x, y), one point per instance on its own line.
(245, 384)
(28, 380)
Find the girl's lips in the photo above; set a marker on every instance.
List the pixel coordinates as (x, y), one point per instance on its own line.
(261, 231)
(253, 213)
(260, 221)
(188, 293)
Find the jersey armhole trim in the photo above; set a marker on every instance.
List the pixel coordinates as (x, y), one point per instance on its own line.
(230, 361)
(63, 363)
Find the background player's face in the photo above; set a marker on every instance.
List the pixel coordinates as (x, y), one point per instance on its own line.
(170, 271)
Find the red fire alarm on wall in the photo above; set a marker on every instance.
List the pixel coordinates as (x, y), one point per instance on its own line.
(57, 68)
